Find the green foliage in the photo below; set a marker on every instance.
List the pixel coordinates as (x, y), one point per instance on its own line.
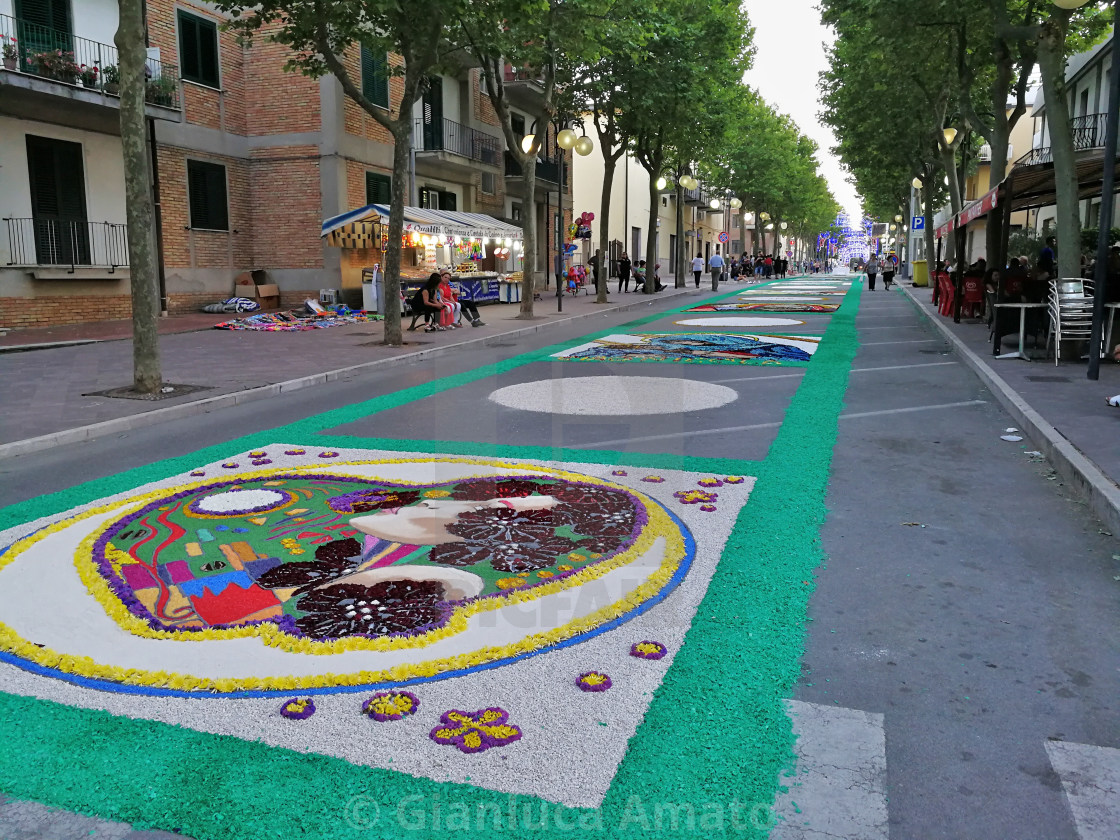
(1089, 239)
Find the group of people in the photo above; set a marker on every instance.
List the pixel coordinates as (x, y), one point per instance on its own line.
(441, 306)
(628, 270)
(887, 266)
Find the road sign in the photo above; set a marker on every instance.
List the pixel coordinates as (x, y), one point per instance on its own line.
(918, 223)
(789, 253)
(723, 237)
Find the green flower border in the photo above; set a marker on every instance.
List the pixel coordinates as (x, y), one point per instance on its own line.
(713, 742)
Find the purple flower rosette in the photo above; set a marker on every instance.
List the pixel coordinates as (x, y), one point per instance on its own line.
(648, 650)
(391, 705)
(593, 681)
(298, 708)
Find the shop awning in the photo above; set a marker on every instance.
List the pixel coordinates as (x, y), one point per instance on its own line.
(421, 220)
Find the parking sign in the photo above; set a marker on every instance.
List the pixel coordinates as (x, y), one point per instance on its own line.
(918, 223)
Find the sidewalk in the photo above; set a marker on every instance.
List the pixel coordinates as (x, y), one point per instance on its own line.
(92, 331)
(1058, 409)
(48, 405)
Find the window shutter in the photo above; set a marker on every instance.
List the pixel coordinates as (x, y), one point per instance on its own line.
(206, 195)
(51, 13)
(379, 188)
(188, 47)
(375, 78)
(208, 53)
(447, 201)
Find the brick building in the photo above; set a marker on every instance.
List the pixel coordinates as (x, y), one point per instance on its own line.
(249, 160)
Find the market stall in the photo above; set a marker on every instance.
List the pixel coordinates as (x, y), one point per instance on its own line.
(483, 254)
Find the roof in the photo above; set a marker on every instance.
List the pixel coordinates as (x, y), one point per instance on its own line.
(423, 220)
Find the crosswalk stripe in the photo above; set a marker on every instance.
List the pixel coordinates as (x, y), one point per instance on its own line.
(840, 787)
(1091, 780)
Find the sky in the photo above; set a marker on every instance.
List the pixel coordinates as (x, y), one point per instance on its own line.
(789, 54)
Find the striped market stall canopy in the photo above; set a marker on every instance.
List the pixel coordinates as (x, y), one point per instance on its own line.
(355, 228)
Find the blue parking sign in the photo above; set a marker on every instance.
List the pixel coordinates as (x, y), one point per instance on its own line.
(918, 223)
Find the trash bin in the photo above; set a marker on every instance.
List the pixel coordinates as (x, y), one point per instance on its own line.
(921, 272)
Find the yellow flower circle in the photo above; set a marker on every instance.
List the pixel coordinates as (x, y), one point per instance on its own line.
(565, 568)
(545, 574)
(510, 582)
(436, 494)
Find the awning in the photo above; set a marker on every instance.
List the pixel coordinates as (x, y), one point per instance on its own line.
(423, 220)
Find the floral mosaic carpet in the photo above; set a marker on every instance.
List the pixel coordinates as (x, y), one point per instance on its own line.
(765, 307)
(300, 634)
(719, 348)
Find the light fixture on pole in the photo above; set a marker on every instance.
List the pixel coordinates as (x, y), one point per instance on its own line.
(783, 225)
(566, 138)
(898, 217)
(1070, 4)
(688, 182)
(527, 143)
(662, 183)
(736, 204)
(714, 203)
(584, 146)
(764, 217)
(949, 135)
(916, 183)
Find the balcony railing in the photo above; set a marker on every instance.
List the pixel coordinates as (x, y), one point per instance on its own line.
(457, 139)
(547, 170)
(1088, 133)
(45, 240)
(64, 57)
(523, 74)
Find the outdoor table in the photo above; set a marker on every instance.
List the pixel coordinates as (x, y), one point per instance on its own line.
(1022, 307)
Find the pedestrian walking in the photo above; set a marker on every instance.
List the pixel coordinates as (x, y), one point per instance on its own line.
(888, 272)
(697, 267)
(872, 271)
(716, 266)
(624, 266)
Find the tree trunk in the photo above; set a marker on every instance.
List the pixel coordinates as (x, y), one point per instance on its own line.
(147, 377)
(949, 161)
(609, 166)
(651, 236)
(678, 269)
(999, 142)
(529, 231)
(926, 197)
(1051, 61)
(391, 306)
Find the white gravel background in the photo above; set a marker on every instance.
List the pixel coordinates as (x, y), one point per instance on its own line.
(573, 741)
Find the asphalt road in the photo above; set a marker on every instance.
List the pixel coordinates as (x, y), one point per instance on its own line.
(967, 599)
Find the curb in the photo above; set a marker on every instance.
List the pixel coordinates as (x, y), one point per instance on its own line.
(202, 406)
(1101, 493)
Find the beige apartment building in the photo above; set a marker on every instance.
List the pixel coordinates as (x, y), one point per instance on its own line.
(249, 160)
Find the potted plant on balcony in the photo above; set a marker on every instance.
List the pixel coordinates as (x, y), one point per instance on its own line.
(56, 64)
(11, 52)
(88, 74)
(161, 91)
(111, 79)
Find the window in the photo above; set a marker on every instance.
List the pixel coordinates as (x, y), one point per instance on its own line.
(488, 183)
(198, 50)
(433, 199)
(43, 26)
(517, 123)
(58, 201)
(515, 213)
(379, 188)
(375, 77)
(206, 194)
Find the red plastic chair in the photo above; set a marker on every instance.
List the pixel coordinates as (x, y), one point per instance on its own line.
(946, 294)
(973, 299)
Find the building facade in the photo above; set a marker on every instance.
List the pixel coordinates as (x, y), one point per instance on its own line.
(248, 160)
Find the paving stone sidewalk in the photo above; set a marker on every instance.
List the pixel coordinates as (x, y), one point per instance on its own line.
(48, 388)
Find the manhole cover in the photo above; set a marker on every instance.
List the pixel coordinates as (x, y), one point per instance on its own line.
(170, 391)
(1049, 379)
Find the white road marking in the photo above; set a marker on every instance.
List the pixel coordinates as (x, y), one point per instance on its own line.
(854, 370)
(754, 426)
(912, 341)
(1091, 781)
(840, 787)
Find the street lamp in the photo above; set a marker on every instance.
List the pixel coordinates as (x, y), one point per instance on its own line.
(662, 183)
(566, 138)
(736, 204)
(527, 143)
(949, 135)
(714, 203)
(916, 183)
(688, 182)
(585, 146)
(1070, 4)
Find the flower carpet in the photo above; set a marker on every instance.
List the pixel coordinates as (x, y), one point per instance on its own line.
(720, 348)
(304, 635)
(761, 306)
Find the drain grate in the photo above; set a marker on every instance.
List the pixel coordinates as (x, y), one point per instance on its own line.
(169, 392)
(1049, 379)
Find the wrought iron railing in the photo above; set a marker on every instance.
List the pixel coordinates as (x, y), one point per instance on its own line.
(458, 139)
(64, 57)
(547, 170)
(45, 240)
(1088, 133)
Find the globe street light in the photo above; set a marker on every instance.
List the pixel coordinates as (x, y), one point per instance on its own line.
(949, 135)
(1070, 4)
(527, 143)
(736, 204)
(566, 138)
(585, 146)
(714, 203)
(916, 183)
(662, 183)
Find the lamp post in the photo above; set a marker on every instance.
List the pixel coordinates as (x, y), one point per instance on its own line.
(583, 145)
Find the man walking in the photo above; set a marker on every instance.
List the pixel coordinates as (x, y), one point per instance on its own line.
(716, 266)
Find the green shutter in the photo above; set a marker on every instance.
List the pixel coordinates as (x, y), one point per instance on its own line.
(379, 188)
(58, 201)
(206, 195)
(198, 50)
(375, 77)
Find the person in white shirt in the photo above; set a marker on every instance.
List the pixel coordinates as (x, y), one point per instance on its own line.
(716, 266)
(698, 268)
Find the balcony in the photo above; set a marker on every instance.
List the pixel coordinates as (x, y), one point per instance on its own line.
(524, 87)
(69, 244)
(40, 61)
(455, 149)
(547, 170)
(1088, 133)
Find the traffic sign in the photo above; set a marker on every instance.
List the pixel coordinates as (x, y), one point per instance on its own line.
(723, 237)
(918, 223)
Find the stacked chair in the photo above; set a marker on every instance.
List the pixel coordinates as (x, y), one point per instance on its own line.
(1071, 313)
